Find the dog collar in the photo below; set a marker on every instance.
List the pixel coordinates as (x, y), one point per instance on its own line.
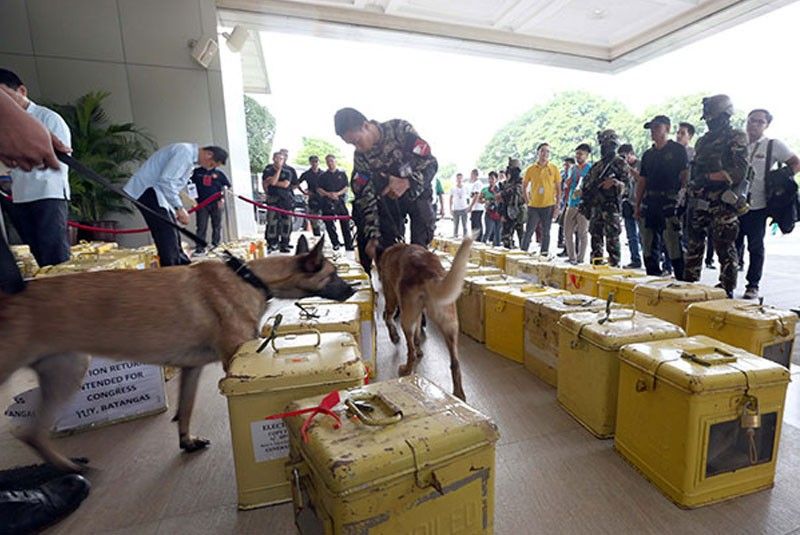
(241, 269)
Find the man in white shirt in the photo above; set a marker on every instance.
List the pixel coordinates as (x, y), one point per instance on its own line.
(476, 207)
(158, 183)
(41, 196)
(753, 224)
(459, 203)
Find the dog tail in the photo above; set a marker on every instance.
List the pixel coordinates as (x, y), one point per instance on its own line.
(449, 288)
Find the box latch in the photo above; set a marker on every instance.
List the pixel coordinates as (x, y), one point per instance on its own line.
(424, 476)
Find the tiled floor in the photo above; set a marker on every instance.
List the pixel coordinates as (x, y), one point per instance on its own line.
(552, 475)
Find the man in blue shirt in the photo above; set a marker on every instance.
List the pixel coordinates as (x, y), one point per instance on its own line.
(41, 196)
(209, 182)
(158, 183)
(576, 226)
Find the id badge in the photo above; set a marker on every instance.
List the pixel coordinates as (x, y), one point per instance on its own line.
(191, 190)
(541, 190)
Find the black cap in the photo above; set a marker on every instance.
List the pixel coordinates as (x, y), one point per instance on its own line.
(658, 119)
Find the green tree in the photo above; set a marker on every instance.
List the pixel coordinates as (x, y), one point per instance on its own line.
(446, 174)
(260, 124)
(313, 146)
(568, 119)
(679, 109)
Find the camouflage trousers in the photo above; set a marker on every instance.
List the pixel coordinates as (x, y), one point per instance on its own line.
(279, 226)
(605, 226)
(720, 222)
(511, 226)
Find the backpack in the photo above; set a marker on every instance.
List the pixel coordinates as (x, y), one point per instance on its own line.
(783, 203)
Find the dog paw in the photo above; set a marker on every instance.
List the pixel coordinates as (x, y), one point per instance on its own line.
(394, 337)
(420, 354)
(404, 370)
(192, 444)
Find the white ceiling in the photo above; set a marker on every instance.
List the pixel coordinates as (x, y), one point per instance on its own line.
(600, 35)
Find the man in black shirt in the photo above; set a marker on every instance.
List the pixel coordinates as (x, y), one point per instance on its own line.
(277, 183)
(209, 182)
(332, 190)
(313, 206)
(664, 171)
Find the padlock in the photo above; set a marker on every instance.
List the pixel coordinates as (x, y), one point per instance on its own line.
(751, 417)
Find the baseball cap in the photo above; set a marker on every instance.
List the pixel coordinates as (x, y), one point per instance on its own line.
(658, 119)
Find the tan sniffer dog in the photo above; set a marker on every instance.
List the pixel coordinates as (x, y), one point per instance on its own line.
(414, 281)
(186, 316)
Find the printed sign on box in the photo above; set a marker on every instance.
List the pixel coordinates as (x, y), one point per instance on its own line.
(270, 440)
(111, 391)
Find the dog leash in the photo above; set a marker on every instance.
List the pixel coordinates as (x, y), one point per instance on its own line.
(232, 261)
(104, 182)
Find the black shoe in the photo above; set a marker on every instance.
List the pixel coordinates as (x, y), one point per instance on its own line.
(31, 510)
(728, 293)
(335, 246)
(562, 254)
(741, 267)
(349, 248)
(751, 292)
(634, 265)
(711, 266)
(285, 249)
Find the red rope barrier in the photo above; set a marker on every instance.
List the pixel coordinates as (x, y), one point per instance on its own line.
(201, 205)
(90, 228)
(295, 214)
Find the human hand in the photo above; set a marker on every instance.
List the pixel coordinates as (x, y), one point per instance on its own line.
(182, 216)
(608, 183)
(396, 188)
(24, 141)
(370, 249)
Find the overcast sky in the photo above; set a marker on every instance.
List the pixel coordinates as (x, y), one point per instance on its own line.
(457, 102)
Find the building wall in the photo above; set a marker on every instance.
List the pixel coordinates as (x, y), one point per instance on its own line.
(135, 49)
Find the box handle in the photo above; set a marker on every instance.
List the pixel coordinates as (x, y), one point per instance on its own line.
(355, 404)
(342, 267)
(298, 348)
(712, 358)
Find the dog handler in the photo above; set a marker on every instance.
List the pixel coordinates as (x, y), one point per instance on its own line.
(158, 183)
(392, 175)
(27, 144)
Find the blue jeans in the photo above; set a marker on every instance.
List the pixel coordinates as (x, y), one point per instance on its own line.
(632, 232)
(492, 230)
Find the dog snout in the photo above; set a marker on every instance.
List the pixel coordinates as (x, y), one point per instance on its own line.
(337, 289)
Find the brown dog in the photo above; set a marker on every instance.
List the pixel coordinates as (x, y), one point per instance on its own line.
(414, 281)
(185, 316)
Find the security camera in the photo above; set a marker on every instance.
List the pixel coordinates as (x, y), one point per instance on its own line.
(237, 38)
(204, 50)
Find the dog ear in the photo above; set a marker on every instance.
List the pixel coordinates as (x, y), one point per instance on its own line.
(302, 246)
(312, 262)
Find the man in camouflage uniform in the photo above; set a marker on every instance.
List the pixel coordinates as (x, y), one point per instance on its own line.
(392, 175)
(601, 197)
(277, 181)
(717, 192)
(512, 204)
